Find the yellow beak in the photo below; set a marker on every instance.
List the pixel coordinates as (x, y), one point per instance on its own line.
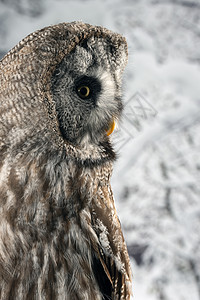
(111, 127)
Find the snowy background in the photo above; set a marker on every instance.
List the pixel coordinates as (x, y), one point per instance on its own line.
(156, 179)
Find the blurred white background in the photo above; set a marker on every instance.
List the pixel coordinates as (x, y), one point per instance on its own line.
(156, 179)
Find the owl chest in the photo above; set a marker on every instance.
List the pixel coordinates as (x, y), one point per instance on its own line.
(75, 192)
(55, 236)
(59, 268)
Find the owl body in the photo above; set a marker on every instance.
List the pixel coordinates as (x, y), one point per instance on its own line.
(60, 237)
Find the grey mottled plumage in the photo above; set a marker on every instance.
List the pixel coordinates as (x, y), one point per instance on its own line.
(60, 237)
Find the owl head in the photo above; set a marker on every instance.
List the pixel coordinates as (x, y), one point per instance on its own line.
(86, 89)
(63, 84)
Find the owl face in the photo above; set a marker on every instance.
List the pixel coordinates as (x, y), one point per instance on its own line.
(86, 89)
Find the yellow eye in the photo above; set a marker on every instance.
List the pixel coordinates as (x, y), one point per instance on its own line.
(83, 91)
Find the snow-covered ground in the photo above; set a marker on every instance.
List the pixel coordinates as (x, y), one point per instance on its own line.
(156, 179)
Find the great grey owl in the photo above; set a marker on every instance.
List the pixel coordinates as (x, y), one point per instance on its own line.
(60, 237)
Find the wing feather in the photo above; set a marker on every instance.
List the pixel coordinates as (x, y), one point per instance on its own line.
(112, 252)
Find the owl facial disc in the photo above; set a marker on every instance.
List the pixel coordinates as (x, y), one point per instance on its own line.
(86, 89)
